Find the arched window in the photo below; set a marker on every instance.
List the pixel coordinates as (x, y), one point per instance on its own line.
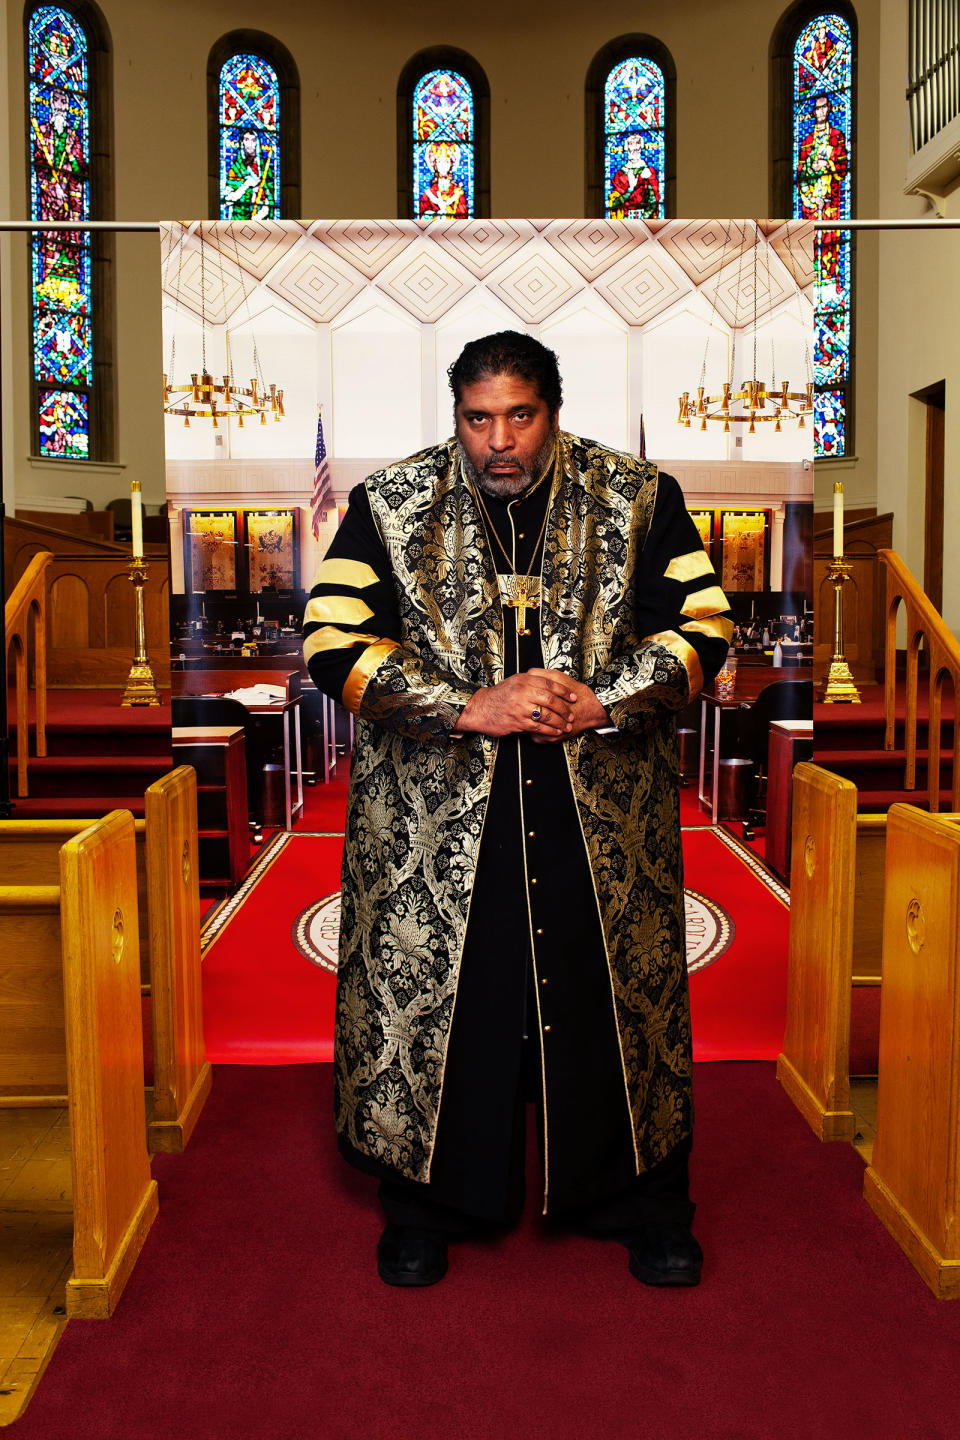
(254, 105)
(443, 123)
(815, 52)
(630, 130)
(67, 60)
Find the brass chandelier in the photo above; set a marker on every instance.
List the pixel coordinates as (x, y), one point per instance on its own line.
(751, 405)
(206, 397)
(754, 402)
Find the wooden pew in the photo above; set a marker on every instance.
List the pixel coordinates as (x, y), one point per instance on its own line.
(181, 1072)
(30, 855)
(913, 1181)
(169, 932)
(836, 914)
(70, 1027)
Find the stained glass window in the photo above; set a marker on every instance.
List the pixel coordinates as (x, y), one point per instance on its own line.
(61, 270)
(822, 179)
(444, 134)
(249, 108)
(634, 166)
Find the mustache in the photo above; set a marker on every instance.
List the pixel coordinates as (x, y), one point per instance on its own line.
(491, 458)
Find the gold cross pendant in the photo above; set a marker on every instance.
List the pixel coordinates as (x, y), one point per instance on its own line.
(521, 593)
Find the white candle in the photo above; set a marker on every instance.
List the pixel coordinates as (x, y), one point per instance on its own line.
(136, 517)
(838, 517)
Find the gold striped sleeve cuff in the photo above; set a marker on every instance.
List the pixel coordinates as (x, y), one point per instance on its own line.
(705, 602)
(353, 573)
(689, 567)
(336, 610)
(372, 657)
(329, 639)
(684, 652)
(717, 627)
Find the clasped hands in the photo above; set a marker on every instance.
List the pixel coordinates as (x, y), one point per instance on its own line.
(543, 703)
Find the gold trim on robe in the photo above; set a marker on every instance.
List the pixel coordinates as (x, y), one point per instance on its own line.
(689, 567)
(354, 573)
(337, 610)
(359, 676)
(328, 638)
(715, 625)
(705, 602)
(685, 652)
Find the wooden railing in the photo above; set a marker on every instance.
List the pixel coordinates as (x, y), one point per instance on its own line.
(29, 598)
(943, 655)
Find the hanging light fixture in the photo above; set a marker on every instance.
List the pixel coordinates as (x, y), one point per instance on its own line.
(216, 399)
(753, 403)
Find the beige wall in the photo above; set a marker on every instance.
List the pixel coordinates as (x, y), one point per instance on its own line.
(536, 71)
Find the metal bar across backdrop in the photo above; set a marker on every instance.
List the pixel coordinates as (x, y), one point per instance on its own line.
(153, 226)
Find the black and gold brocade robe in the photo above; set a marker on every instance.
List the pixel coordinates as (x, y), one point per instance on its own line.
(472, 863)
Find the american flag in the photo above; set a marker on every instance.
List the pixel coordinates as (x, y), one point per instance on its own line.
(322, 485)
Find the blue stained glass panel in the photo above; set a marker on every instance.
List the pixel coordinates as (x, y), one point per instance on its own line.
(61, 272)
(64, 353)
(634, 103)
(822, 135)
(249, 139)
(443, 146)
(64, 425)
(829, 419)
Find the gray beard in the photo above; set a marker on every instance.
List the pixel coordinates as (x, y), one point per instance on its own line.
(508, 487)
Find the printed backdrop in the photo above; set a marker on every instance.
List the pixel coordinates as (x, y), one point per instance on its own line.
(358, 320)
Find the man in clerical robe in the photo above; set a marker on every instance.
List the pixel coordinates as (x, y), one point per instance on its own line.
(635, 193)
(822, 166)
(514, 617)
(249, 187)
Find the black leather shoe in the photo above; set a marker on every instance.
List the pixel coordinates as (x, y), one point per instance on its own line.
(408, 1256)
(666, 1254)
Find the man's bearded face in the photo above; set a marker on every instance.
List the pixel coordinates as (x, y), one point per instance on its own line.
(506, 433)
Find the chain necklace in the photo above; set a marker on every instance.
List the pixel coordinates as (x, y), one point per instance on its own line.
(520, 592)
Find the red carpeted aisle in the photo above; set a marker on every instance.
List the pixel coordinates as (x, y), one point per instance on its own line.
(255, 1312)
(738, 1003)
(264, 1001)
(270, 951)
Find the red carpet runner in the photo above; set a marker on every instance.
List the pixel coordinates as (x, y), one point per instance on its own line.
(738, 1003)
(270, 954)
(264, 1002)
(255, 1312)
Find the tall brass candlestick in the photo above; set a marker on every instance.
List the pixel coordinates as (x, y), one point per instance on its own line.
(141, 686)
(837, 687)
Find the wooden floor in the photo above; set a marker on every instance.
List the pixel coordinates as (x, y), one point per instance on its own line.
(36, 1241)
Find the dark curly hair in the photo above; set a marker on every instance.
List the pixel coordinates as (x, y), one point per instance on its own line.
(509, 352)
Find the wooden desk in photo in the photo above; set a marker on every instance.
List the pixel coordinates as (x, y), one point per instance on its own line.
(751, 681)
(216, 679)
(218, 755)
(288, 712)
(790, 742)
